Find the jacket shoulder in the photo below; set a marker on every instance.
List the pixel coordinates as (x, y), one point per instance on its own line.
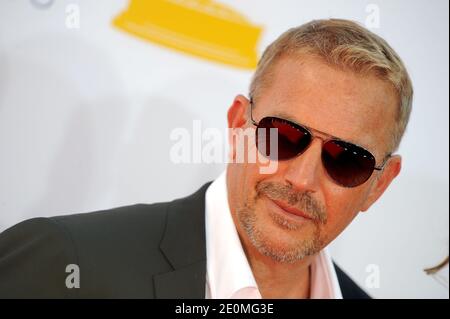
(118, 222)
(349, 288)
(120, 243)
(34, 255)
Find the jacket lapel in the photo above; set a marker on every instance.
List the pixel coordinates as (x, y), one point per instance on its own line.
(184, 246)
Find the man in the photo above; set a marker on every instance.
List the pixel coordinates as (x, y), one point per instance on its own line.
(339, 98)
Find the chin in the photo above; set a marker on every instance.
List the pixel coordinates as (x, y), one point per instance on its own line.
(282, 245)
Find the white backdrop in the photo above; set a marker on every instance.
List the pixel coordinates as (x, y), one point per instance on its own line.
(86, 113)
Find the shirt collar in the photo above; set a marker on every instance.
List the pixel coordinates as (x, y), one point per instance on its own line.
(228, 272)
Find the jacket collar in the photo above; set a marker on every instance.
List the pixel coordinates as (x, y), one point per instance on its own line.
(184, 246)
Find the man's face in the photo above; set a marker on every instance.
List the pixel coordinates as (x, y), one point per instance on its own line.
(355, 108)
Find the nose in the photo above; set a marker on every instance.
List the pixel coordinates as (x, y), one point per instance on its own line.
(304, 170)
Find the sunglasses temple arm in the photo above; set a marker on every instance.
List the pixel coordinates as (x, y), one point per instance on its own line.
(251, 112)
(381, 167)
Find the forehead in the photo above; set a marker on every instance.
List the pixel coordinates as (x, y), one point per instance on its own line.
(356, 108)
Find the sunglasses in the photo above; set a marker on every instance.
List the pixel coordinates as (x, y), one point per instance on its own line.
(349, 165)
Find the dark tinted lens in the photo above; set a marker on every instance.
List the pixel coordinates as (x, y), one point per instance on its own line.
(348, 164)
(292, 139)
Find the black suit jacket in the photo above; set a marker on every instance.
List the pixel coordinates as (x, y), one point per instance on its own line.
(139, 251)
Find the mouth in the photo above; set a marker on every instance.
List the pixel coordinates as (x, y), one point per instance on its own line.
(289, 210)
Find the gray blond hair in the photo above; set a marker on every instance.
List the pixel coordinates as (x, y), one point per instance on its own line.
(349, 46)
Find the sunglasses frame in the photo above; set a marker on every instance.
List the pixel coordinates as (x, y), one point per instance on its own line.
(328, 137)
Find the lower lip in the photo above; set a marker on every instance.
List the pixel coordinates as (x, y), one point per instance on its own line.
(277, 209)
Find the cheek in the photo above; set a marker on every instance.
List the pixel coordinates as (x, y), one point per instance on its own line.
(342, 207)
(248, 176)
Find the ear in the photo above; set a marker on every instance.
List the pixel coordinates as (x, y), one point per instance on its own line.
(237, 118)
(390, 171)
(237, 113)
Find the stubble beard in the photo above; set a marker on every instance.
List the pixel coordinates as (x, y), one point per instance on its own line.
(297, 249)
